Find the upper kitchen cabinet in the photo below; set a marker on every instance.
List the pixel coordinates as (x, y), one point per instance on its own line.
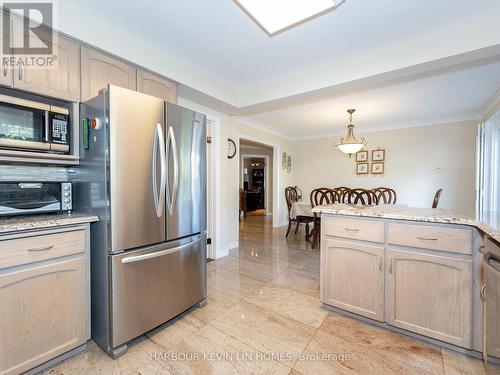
(99, 70)
(6, 76)
(154, 85)
(62, 82)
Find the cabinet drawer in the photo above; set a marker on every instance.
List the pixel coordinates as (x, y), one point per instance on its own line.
(358, 229)
(434, 238)
(35, 248)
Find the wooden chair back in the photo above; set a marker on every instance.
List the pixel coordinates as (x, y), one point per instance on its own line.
(321, 196)
(437, 197)
(291, 196)
(359, 196)
(340, 190)
(385, 195)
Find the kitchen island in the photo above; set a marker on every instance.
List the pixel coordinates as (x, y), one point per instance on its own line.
(418, 271)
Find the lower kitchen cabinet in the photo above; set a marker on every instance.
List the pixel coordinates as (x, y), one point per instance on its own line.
(43, 313)
(430, 295)
(44, 296)
(353, 277)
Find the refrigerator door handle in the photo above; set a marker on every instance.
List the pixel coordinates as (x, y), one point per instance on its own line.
(138, 258)
(158, 144)
(172, 147)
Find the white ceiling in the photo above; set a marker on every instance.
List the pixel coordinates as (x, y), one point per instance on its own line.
(443, 97)
(212, 46)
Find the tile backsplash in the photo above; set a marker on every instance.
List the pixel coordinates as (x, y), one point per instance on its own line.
(15, 173)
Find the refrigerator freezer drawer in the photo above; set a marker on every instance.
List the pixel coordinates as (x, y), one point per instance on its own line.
(152, 285)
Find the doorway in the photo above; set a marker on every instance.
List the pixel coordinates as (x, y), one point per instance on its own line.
(256, 180)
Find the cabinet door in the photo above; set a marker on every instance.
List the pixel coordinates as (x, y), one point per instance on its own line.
(430, 295)
(154, 85)
(99, 70)
(6, 76)
(62, 82)
(352, 277)
(43, 314)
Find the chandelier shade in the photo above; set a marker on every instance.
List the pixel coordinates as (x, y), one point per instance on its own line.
(350, 144)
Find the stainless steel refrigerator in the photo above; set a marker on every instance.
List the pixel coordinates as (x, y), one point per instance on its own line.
(143, 172)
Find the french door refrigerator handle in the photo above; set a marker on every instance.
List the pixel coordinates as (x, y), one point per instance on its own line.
(158, 198)
(138, 258)
(172, 147)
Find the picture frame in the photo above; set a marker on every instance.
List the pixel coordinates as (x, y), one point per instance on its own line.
(378, 155)
(361, 168)
(283, 160)
(362, 156)
(377, 168)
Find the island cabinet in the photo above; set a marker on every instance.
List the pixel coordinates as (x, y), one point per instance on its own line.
(99, 70)
(412, 276)
(353, 277)
(44, 296)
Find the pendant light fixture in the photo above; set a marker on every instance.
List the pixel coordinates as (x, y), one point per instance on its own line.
(350, 144)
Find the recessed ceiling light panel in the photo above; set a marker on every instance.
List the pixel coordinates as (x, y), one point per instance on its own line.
(275, 16)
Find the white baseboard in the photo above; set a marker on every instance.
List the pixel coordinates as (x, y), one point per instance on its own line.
(233, 245)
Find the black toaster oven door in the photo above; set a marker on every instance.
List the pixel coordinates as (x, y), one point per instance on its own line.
(29, 197)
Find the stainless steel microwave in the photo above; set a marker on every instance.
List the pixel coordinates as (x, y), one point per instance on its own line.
(21, 198)
(33, 126)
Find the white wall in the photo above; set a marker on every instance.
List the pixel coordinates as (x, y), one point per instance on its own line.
(418, 162)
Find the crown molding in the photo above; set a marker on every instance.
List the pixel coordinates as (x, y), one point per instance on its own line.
(251, 123)
(432, 121)
(491, 106)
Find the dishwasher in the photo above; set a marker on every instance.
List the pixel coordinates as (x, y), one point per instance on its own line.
(490, 293)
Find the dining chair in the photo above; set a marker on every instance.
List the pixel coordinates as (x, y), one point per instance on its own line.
(340, 190)
(319, 197)
(359, 196)
(292, 196)
(243, 204)
(437, 197)
(385, 195)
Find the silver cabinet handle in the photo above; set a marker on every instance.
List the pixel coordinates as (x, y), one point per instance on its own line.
(172, 148)
(138, 258)
(5, 70)
(390, 267)
(20, 68)
(427, 239)
(35, 249)
(482, 293)
(380, 264)
(351, 229)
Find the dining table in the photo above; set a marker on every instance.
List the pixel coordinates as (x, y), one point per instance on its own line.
(301, 208)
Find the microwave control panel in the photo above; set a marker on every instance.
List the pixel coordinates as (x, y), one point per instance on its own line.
(59, 125)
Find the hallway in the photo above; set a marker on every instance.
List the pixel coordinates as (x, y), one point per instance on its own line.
(264, 316)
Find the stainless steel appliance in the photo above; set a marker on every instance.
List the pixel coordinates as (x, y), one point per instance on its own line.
(490, 295)
(33, 125)
(21, 198)
(142, 170)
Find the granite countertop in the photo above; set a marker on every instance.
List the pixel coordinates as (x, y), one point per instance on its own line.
(30, 222)
(487, 222)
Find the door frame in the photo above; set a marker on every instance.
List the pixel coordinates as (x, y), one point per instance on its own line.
(276, 174)
(266, 177)
(214, 250)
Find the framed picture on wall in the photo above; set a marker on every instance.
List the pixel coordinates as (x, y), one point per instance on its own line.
(283, 160)
(378, 168)
(361, 156)
(362, 168)
(378, 155)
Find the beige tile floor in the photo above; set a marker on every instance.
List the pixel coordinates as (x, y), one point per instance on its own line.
(264, 317)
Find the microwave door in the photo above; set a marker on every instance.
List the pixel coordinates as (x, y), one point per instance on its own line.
(23, 124)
